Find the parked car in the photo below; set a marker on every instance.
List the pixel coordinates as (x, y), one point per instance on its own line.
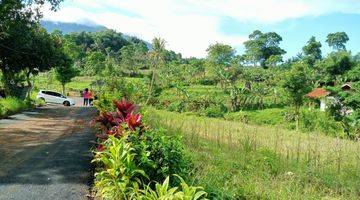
(55, 97)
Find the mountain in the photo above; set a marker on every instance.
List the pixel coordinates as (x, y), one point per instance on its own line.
(65, 27)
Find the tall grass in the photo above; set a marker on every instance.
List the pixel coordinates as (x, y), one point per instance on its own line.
(10, 105)
(238, 160)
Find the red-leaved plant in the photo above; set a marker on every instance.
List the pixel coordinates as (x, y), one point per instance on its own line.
(126, 118)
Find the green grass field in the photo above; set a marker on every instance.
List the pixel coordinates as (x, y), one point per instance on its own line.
(47, 82)
(241, 161)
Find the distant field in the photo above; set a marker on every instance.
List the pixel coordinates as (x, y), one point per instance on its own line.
(45, 82)
(237, 160)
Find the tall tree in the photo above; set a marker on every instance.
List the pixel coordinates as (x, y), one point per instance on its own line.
(273, 60)
(23, 45)
(297, 83)
(312, 51)
(220, 54)
(157, 58)
(220, 57)
(133, 57)
(254, 47)
(109, 42)
(27, 52)
(65, 71)
(94, 63)
(19, 11)
(357, 58)
(261, 46)
(224, 63)
(334, 66)
(337, 40)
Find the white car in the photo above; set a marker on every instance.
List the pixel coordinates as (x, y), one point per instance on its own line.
(55, 97)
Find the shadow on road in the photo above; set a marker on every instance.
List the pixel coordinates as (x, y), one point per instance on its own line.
(46, 145)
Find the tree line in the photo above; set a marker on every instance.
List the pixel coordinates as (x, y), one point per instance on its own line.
(26, 49)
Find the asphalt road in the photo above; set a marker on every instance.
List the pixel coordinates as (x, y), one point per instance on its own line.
(45, 154)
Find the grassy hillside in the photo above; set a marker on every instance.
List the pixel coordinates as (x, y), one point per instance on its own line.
(239, 161)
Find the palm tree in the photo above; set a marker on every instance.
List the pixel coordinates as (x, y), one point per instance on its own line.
(157, 58)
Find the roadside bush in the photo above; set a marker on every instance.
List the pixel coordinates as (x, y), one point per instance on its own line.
(39, 102)
(3, 110)
(164, 191)
(165, 155)
(11, 105)
(133, 158)
(105, 102)
(119, 177)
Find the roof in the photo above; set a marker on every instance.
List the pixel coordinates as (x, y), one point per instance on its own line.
(318, 93)
(346, 86)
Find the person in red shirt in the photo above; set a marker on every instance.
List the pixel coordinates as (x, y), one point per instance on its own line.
(86, 95)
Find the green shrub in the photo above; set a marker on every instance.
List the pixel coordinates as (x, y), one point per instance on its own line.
(11, 105)
(310, 120)
(177, 106)
(119, 176)
(271, 116)
(207, 81)
(165, 192)
(132, 156)
(40, 102)
(314, 120)
(165, 155)
(352, 125)
(200, 99)
(131, 163)
(214, 111)
(3, 111)
(240, 116)
(105, 102)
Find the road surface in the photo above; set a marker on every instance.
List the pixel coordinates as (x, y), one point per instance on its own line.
(45, 154)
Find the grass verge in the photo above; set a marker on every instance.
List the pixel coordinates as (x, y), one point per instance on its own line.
(10, 106)
(240, 161)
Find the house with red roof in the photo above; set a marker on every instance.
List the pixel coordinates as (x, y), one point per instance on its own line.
(322, 95)
(325, 97)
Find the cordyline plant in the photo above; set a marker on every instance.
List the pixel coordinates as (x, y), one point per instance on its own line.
(126, 119)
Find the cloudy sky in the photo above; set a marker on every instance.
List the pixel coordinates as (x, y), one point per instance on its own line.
(190, 26)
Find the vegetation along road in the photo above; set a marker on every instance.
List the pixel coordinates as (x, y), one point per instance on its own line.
(45, 154)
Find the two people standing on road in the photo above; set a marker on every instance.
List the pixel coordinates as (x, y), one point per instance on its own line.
(88, 97)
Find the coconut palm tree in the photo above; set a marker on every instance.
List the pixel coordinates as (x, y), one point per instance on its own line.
(157, 58)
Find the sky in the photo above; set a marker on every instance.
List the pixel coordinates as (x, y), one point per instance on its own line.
(190, 26)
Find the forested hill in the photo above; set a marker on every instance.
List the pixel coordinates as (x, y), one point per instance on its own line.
(67, 28)
(50, 26)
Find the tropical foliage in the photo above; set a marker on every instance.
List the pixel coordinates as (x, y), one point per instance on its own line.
(133, 159)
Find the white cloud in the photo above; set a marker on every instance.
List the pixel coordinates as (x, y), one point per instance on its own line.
(190, 26)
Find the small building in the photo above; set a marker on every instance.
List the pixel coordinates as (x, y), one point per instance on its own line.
(322, 95)
(346, 87)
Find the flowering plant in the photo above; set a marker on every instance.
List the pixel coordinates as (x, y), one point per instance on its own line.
(126, 118)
